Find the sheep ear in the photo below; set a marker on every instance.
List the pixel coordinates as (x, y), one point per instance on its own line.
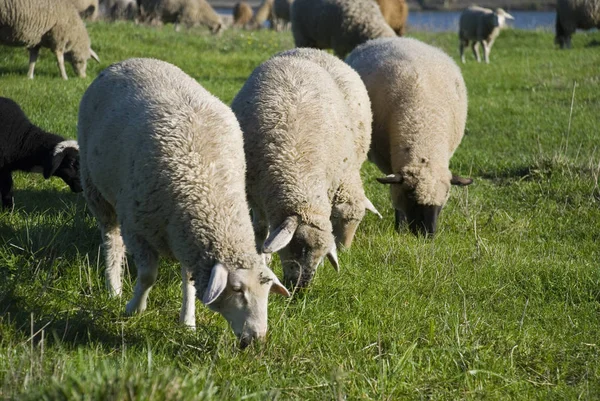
(391, 179)
(278, 288)
(369, 206)
(216, 283)
(55, 158)
(282, 235)
(332, 256)
(94, 55)
(460, 181)
(508, 16)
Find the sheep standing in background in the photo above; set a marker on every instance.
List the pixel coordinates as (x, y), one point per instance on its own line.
(299, 139)
(483, 25)
(87, 9)
(281, 9)
(572, 15)
(242, 14)
(419, 103)
(162, 168)
(262, 14)
(50, 23)
(187, 12)
(119, 9)
(340, 25)
(395, 13)
(27, 147)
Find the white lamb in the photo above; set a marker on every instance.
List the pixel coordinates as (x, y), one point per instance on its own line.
(419, 103)
(480, 25)
(162, 168)
(303, 139)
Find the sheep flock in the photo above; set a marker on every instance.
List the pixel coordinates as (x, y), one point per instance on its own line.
(169, 170)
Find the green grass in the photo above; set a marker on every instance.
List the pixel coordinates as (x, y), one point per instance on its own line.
(503, 304)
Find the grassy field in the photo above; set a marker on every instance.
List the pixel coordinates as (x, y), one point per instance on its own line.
(503, 304)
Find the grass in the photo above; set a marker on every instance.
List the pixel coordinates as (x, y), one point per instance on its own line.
(503, 304)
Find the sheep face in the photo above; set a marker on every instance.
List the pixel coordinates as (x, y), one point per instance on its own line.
(241, 296)
(63, 162)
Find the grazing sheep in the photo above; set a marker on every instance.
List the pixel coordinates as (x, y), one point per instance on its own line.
(302, 143)
(572, 15)
(340, 25)
(395, 13)
(162, 168)
(26, 147)
(49, 23)
(87, 9)
(263, 13)
(242, 14)
(187, 12)
(419, 103)
(119, 9)
(483, 25)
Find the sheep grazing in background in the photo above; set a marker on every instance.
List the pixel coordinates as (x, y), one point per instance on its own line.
(281, 9)
(119, 9)
(162, 168)
(87, 9)
(419, 103)
(262, 14)
(301, 139)
(49, 23)
(480, 25)
(187, 12)
(572, 15)
(340, 25)
(242, 14)
(27, 147)
(395, 13)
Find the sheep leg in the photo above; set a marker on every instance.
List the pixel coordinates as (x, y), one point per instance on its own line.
(60, 58)
(475, 47)
(6, 184)
(188, 306)
(33, 55)
(146, 261)
(463, 44)
(487, 48)
(399, 219)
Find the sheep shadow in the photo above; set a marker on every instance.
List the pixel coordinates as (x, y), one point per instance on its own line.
(508, 175)
(593, 43)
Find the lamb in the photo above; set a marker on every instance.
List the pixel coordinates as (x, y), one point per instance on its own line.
(162, 168)
(302, 144)
(50, 23)
(187, 12)
(340, 25)
(395, 13)
(480, 25)
(242, 14)
(87, 9)
(572, 15)
(27, 147)
(419, 103)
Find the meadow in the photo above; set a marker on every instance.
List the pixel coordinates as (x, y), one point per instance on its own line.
(504, 303)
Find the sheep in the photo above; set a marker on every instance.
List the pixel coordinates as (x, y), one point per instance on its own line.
(27, 147)
(120, 9)
(263, 13)
(395, 13)
(340, 25)
(281, 9)
(572, 15)
(483, 25)
(162, 168)
(419, 103)
(301, 140)
(242, 14)
(187, 12)
(87, 9)
(49, 23)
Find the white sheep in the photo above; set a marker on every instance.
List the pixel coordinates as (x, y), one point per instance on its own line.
(340, 25)
(572, 15)
(187, 12)
(49, 23)
(302, 142)
(162, 169)
(419, 103)
(87, 9)
(480, 25)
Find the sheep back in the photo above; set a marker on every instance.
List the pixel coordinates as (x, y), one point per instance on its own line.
(187, 12)
(242, 13)
(87, 9)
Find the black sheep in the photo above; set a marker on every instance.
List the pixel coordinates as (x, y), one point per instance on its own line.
(25, 147)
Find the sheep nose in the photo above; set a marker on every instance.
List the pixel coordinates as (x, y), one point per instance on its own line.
(247, 339)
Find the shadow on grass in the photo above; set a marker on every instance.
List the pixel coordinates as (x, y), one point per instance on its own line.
(593, 43)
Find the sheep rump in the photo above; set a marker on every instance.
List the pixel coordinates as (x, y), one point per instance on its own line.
(395, 12)
(572, 15)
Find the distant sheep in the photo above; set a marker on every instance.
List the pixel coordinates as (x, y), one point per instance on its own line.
(242, 14)
(281, 9)
(87, 9)
(262, 14)
(49, 23)
(162, 168)
(572, 15)
(119, 9)
(395, 13)
(187, 12)
(419, 103)
(480, 25)
(27, 147)
(340, 25)
(303, 145)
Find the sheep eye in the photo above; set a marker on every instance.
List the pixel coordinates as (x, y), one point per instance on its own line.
(237, 289)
